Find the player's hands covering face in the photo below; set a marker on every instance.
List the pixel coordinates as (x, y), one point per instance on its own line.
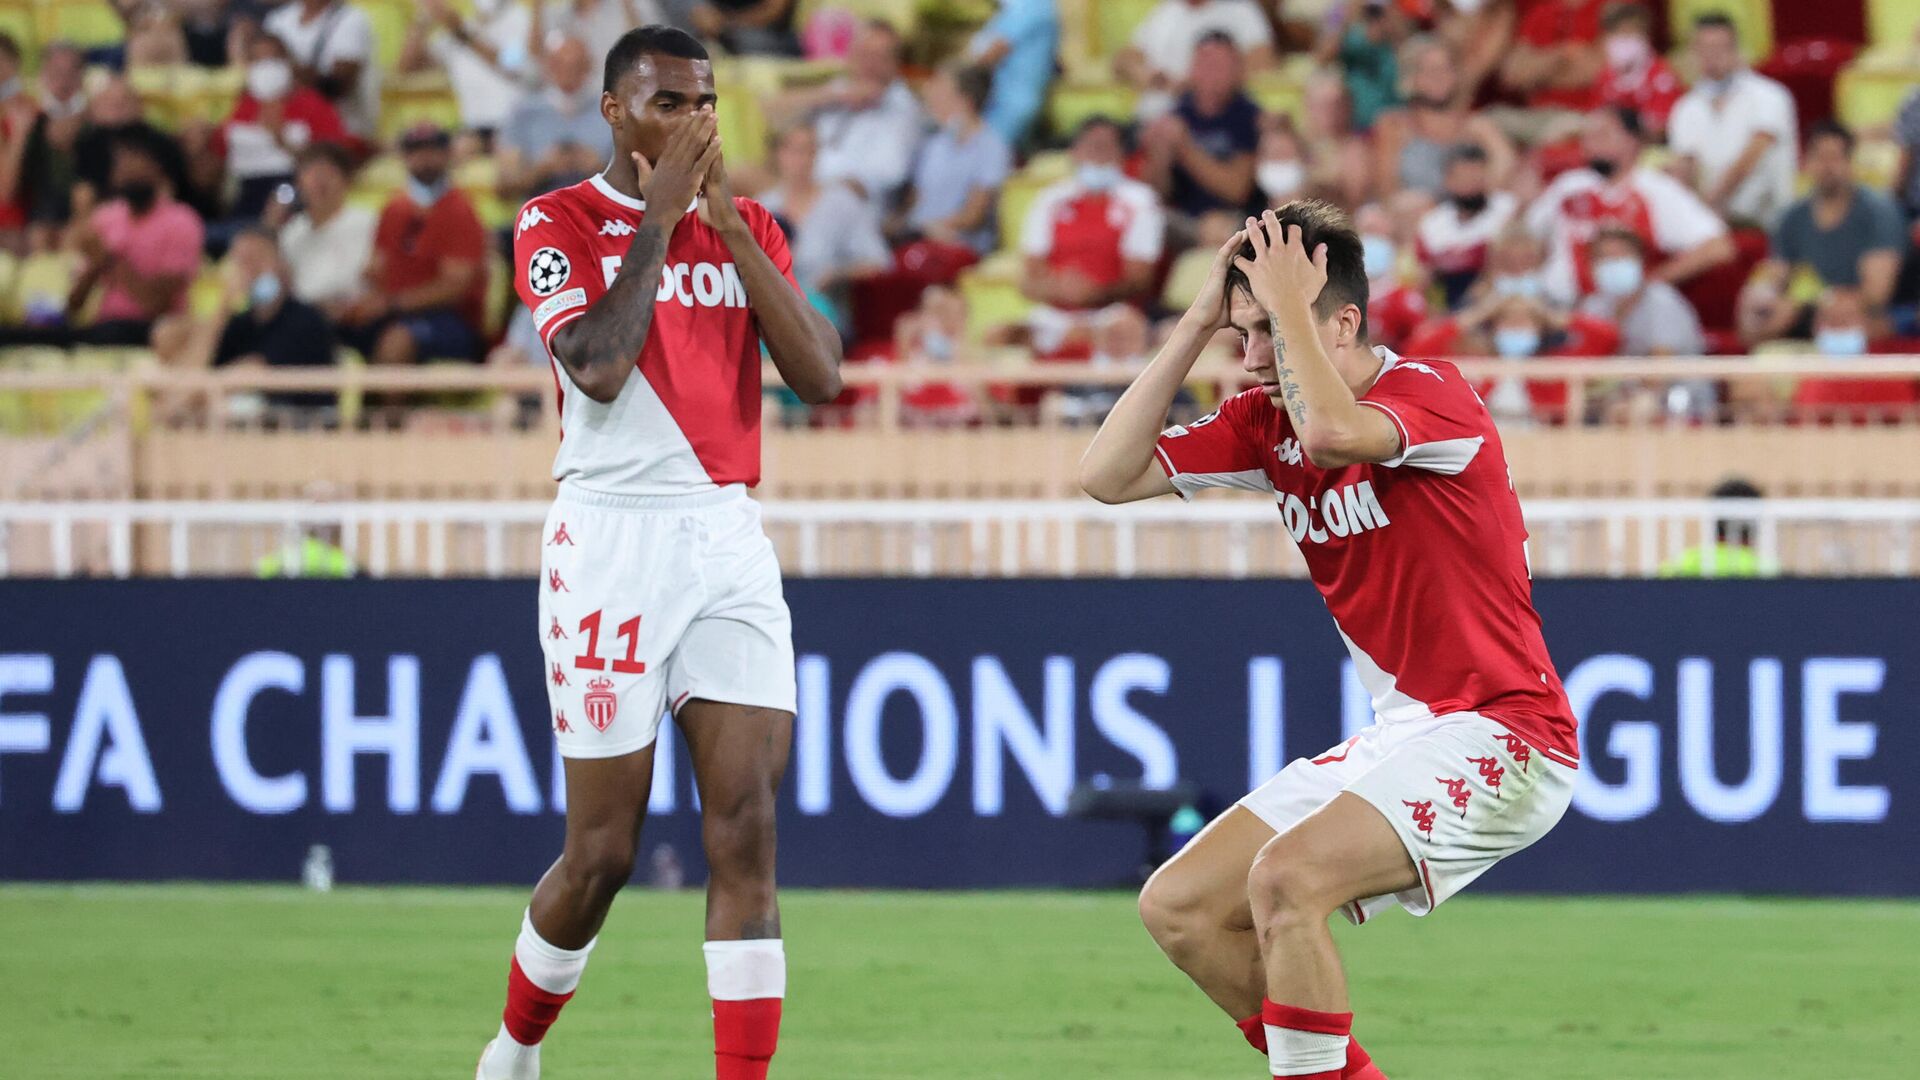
(671, 182)
(716, 197)
(1282, 272)
(1211, 302)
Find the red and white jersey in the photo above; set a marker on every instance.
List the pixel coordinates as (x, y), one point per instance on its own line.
(1421, 559)
(1668, 217)
(688, 418)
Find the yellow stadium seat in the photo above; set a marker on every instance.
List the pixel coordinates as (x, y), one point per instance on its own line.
(992, 291)
(18, 19)
(390, 19)
(1016, 198)
(1079, 49)
(207, 296)
(1278, 92)
(403, 107)
(902, 15)
(1074, 102)
(1867, 95)
(743, 124)
(84, 22)
(208, 94)
(376, 181)
(1114, 23)
(480, 179)
(1892, 22)
(1753, 18)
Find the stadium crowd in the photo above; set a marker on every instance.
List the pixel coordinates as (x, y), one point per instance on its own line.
(1530, 178)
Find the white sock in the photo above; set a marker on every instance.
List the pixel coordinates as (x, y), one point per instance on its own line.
(746, 970)
(549, 967)
(1304, 1053)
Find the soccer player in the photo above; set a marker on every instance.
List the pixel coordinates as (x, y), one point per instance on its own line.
(1390, 477)
(653, 289)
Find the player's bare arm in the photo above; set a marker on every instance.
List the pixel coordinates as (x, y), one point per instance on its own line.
(804, 345)
(1286, 281)
(1119, 465)
(598, 348)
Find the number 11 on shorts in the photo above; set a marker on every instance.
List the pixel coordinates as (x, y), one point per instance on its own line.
(591, 660)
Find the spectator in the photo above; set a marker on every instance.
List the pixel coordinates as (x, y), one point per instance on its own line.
(1613, 190)
(1454, 236)
(1733, 133)
(1653, 318)
(19, 115)
(206, 28)
(331, 43)
(752, 27)
(328, 244)
(270, 328)
(1340, 159)
(1018, 44)
(484, 55)
(834, 233)
(426, 282)
(114, 115)
(1413, 142)
(1556, 65)
(1365, 40)
(555, 135)
(962, 166)
(1481, 33)
(1161, 55)
(934, 332)
(600, 21)
(155, 36)
(50, 165)
(141, 252)
(1396, 305)
(272, 122)
(1517, 328)
(1090, 240)
(1842, 234)
(1200, 156)
(1906, 129)
(1637, 77)
(1732, 553)
(1516, 266)
(1843, 330)
(1281, 166)
(867, 124)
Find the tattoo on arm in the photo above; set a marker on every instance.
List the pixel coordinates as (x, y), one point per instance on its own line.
(612, 332)
(1289, 390)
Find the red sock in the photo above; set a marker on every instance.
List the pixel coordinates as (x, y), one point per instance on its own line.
(1255, 1029)
(1360, 1064)
(1307, 1034)
(530, 1010)
(744, 1036)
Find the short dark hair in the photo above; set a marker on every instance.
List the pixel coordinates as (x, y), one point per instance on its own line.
(1717, 20)
(1616, 15)
(974, 81)
(10, 46)
(651, 40)
(1831, 129)
(329, 153)
(1099, 120)
(1320, 222)
(1629, 118)
(1466, 153)
(1218, 37)
(1624, 235)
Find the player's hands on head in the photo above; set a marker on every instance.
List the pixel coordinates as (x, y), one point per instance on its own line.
(1211, 301)
(674, 178)
(1282, 272)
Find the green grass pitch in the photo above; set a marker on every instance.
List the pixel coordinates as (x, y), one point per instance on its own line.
(221, 983)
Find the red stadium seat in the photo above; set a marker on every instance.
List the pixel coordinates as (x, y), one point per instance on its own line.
(1715, 293)
(1807, 69)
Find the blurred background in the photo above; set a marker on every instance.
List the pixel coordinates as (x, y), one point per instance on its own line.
(275, 441)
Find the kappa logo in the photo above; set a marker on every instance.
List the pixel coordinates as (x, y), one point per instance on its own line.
(1415, 365)
(1288, 451)
(530, 217)
(554, 584)
(560, 536)
(616, 228)
(1515, 746)
(1457, 790)
(1491, 771)
(1422, 816)
(559, 676)
(560, 723)
(602, 704)
(554, 633)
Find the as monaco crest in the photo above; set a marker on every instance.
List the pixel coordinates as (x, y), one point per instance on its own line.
(601, 703)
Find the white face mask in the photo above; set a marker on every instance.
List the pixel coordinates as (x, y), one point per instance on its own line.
(1617, 277)
(1280, 180)
(1468, 7)
(1097, 177)
(1626, 52)
(269, 80)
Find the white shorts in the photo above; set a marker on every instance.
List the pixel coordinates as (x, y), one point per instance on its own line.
(1462, 791)
(646, 602)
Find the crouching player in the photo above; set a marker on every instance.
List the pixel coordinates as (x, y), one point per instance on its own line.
(1390, 477)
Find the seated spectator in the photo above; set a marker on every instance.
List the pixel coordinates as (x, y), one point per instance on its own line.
(269, 327)
(1481, 33)
(19, 115)
(331, 43)
(328, 244)
(1733, 133)
(1516, 328)
(114, 114)
(1906, 130)
(1516, 266)
(1364, 39)
(484, 55)
(206, 27)
(141, 252)
(1454, 236)
(1652, 316)
(1843, 330)
(1412, 143)
(1614, 190)
(1637, 77)
(748, 27)
(1017, 44)
(935, 332)
(48, 170)
(834, 232)
(1199, 156)
(1396, 299)
(272, 122)
(599, 21)
(867, 124)
(426, 283)
(1089, 241)
(555, 135)
(1340, 159)
(1281, 164)
(1840, 234)
(1556, 65)
(962, 166)
(1161, 56)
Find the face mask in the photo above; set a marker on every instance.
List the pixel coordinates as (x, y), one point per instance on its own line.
(937, 345)
(1714, 87)
(1097, 177)
(1601, 166)
(1377, 254)
(1516, 341)
(1841, 342)
(269, 80)
(1471, 205)
(1527, 285)
(140, 194)
(1626, 52)
(1617, 277)
(265, 290)
(10, 87)
(424, 194)
(1468, 7)
(1280, 179)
